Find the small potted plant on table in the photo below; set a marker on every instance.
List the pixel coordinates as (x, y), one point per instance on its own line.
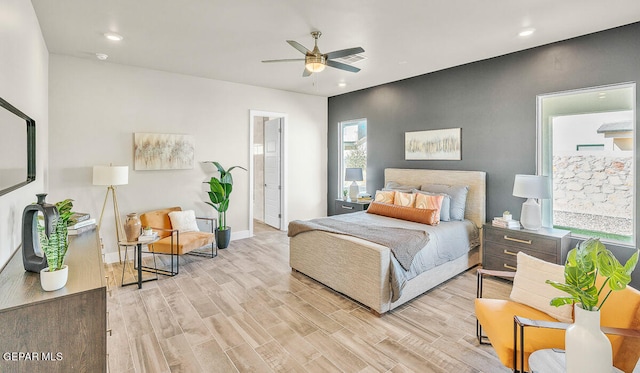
(54, 246)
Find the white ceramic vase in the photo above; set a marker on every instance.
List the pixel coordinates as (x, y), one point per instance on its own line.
(52, 281)
(587, 348)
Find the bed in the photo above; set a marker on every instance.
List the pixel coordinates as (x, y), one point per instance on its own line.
(364, 270)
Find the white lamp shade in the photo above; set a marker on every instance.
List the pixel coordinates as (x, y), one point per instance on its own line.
(531, 186)
(110, 175)
(353, 174)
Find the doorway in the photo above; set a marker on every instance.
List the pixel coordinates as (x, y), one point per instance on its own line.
(267, 172)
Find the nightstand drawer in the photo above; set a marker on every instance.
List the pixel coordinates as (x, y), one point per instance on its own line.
(345, 207)
(499, 263)
(522, 240)
(509, 253)
(500, 246)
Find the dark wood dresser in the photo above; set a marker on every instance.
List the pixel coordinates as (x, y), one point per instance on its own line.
(59, 331)
(501, 245)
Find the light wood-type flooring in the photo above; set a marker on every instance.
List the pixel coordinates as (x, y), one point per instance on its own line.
(246, 311)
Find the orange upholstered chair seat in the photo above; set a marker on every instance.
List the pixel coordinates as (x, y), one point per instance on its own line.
(496, 318)
(622, 310)
(182, 243)
(175, 243)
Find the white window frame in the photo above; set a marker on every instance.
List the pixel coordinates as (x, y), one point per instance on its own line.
(341, 166)
(544, 169)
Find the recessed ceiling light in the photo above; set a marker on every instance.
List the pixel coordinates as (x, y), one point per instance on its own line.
(342, 84)
(527, 32)
(101, 56)
(113, 36)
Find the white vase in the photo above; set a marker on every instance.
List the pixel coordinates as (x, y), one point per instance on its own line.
(51, 281)
(587, 348)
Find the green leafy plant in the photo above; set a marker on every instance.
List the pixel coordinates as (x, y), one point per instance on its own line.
(220, 189)
(584, 263)
(55, 245)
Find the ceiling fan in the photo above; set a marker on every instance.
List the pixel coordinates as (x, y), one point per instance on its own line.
(315, 61)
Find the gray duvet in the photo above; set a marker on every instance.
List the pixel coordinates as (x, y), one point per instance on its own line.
(447, 241)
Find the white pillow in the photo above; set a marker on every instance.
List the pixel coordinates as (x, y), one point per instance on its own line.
(184, 221)
(529, 287)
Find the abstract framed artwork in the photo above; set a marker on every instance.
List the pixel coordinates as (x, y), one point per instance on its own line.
(159, 151)
(433, 145)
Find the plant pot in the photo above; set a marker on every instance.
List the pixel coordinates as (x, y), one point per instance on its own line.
(587, 348)
(52, 281)
(223, 237)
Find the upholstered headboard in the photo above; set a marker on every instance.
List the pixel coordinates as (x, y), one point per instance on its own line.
(475, 209)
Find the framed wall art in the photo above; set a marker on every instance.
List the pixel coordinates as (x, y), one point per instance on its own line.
(159, 151)
(433, 145)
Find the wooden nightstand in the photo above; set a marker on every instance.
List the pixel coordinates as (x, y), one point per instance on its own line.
(345, 207)
(501, 245)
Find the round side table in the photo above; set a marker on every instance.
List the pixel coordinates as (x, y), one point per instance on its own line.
(551, 361)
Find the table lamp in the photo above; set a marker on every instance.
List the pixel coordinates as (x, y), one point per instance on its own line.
(531, 187)
(111, 176)
(354, 175)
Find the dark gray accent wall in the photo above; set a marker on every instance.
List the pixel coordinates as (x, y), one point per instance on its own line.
(493, 101)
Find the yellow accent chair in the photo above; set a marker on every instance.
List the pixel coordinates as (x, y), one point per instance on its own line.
(175, 243)
(504, 322)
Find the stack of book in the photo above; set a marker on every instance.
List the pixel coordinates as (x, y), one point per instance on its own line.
(504, 223)
(365, 197)
(82, 222)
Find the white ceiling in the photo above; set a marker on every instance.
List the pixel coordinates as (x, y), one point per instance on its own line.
(228, 39)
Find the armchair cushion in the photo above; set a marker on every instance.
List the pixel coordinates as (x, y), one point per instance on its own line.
(188, 241)
(529, 286)
(184, 221)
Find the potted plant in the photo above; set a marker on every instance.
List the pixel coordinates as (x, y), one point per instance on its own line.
(54, 246)
(507, 215)
(587, 348)
(220, 189)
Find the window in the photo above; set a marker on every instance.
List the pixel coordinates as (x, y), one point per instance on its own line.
(353, 149)
(586, 145)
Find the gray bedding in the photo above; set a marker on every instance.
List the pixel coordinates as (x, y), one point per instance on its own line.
(447, 241)
(404, 243)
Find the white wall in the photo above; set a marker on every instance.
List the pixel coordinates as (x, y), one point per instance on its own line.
(23, 83)
(96, 107)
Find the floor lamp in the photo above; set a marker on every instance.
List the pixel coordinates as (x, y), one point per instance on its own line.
(110, 176)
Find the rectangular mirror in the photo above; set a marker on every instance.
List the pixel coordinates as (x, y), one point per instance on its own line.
(17, 148)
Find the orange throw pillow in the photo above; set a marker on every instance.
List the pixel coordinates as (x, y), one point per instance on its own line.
(424, 216)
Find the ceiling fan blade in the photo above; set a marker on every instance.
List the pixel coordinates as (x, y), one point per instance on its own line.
(284, 60)
(306, 73)
(298, 46)
(344, 52)
(342, 66)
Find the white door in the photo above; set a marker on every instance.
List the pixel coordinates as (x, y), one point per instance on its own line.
(272, 185)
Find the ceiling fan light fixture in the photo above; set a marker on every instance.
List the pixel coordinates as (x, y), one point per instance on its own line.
(315, 64)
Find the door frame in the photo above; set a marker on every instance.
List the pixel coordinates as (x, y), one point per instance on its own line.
(283, 164)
